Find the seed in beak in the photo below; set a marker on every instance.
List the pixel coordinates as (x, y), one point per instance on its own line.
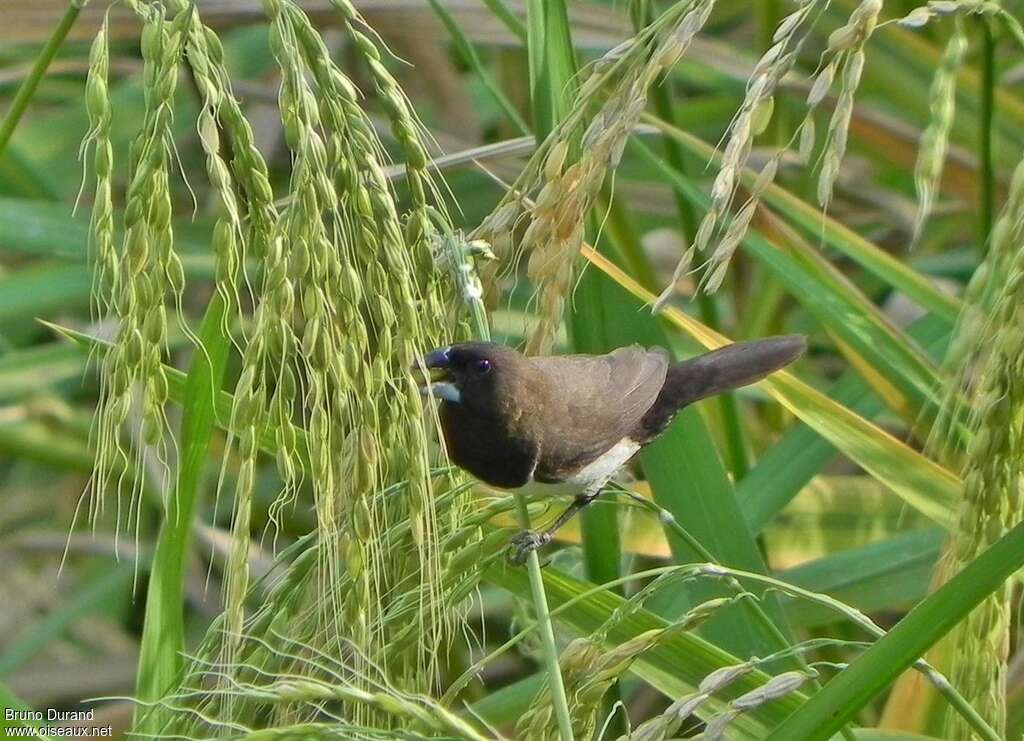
(440, 378)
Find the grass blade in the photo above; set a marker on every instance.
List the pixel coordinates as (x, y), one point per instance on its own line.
(552, 63)
(12, 702)
(86, 600)
(163, 638)
(884, 575)
(843, 697)
(42, 290)
(468, 52)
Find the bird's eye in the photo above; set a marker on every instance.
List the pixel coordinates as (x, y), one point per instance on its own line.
(482, 366)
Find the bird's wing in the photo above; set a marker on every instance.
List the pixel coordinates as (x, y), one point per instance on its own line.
(596, 400)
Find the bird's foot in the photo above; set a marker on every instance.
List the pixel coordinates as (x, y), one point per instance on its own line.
(525, 543)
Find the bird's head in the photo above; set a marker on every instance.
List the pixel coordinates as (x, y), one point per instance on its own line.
(476, 375)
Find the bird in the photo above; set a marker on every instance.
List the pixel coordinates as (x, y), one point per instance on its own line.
(512, 420)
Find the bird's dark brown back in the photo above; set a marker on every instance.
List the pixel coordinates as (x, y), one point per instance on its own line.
(591, 403)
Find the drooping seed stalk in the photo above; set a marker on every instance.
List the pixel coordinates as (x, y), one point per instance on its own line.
(986, 174)
(845, 60)
(339, 317)
(97, 97)
(986, 286)
(362, 293)
(985, 356)
(753, 116)
(385, 272)
(229, 233)
(149, 271)
(847, 44)
(993, 478)
(935, 139)
(247, 164)
(348, 293)
(569, 168)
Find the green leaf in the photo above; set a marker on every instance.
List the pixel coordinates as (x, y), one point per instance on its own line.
(52, 230)
(163, 639)
(849, 691)
(468, 52)
(42, 290)
(34, 369)
(508, 18)
(36, 441)
(20, 177)
(801, 452)
(687, 479)
(890, 574)
(504, 706)
(552, 63)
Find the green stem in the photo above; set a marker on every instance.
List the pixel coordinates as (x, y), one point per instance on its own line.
(163, 638)
(29, 85)
(1012, 26)
(553, 67)
(552, 62)
(547, 633)
(986, 186)
(850, 690)
(478, 316)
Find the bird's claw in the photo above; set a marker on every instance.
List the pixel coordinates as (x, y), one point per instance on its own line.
(525, 543)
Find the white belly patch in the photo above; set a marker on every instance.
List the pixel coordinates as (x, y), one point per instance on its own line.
(604, 467)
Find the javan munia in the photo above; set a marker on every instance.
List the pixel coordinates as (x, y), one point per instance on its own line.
(510, 419)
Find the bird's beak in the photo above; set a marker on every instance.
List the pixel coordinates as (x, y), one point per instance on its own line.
(438, 366)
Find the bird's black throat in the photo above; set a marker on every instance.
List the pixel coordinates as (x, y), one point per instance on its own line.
(484, 446)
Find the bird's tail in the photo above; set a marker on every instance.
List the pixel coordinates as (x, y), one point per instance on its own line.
(731, 367)
(722, 370)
